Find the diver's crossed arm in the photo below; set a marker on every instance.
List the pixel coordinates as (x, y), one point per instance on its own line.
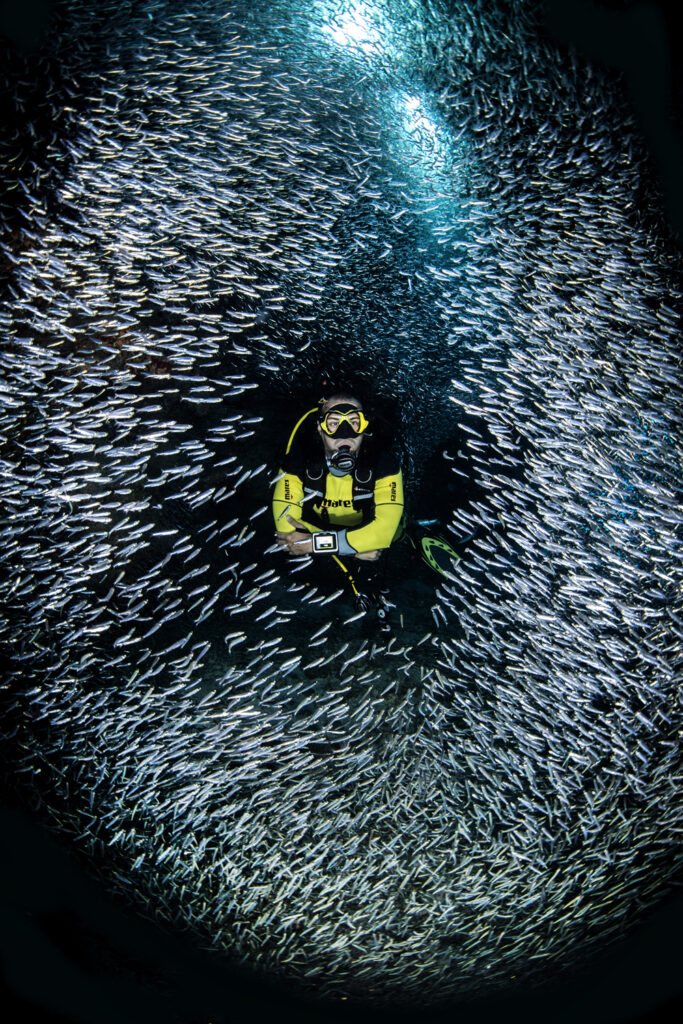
(380, 531)
(364, 541)
(287, 499)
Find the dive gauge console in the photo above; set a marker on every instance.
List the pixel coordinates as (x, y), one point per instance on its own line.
(325, 543)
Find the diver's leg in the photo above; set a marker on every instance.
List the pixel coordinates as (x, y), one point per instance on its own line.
(370, 580)
(366, 573)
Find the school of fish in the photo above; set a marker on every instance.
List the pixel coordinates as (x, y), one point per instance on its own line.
(211, 206)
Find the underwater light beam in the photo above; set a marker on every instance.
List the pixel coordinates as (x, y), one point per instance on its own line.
(355, 29)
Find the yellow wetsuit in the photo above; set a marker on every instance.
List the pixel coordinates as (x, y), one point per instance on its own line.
(288, 498)
(327, 503)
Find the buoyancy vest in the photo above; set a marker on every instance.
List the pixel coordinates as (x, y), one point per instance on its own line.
(362, 490)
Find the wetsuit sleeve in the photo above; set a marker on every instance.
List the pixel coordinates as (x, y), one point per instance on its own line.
(287, 498)
(379, 532)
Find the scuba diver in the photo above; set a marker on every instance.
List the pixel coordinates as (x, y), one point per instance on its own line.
(340, 496)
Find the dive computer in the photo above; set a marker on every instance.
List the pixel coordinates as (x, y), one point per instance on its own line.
(325, 543)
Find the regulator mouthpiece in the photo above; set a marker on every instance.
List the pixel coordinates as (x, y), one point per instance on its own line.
(343, 459)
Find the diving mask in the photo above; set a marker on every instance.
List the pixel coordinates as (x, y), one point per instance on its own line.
(343, 421)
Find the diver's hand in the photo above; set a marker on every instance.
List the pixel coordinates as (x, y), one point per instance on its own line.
(297, 541)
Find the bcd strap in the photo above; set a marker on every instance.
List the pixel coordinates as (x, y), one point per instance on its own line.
(362, 491)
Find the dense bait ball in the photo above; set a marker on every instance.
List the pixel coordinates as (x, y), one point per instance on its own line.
(211, 207)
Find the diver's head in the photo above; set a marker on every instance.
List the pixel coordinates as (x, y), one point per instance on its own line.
(341, 423)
